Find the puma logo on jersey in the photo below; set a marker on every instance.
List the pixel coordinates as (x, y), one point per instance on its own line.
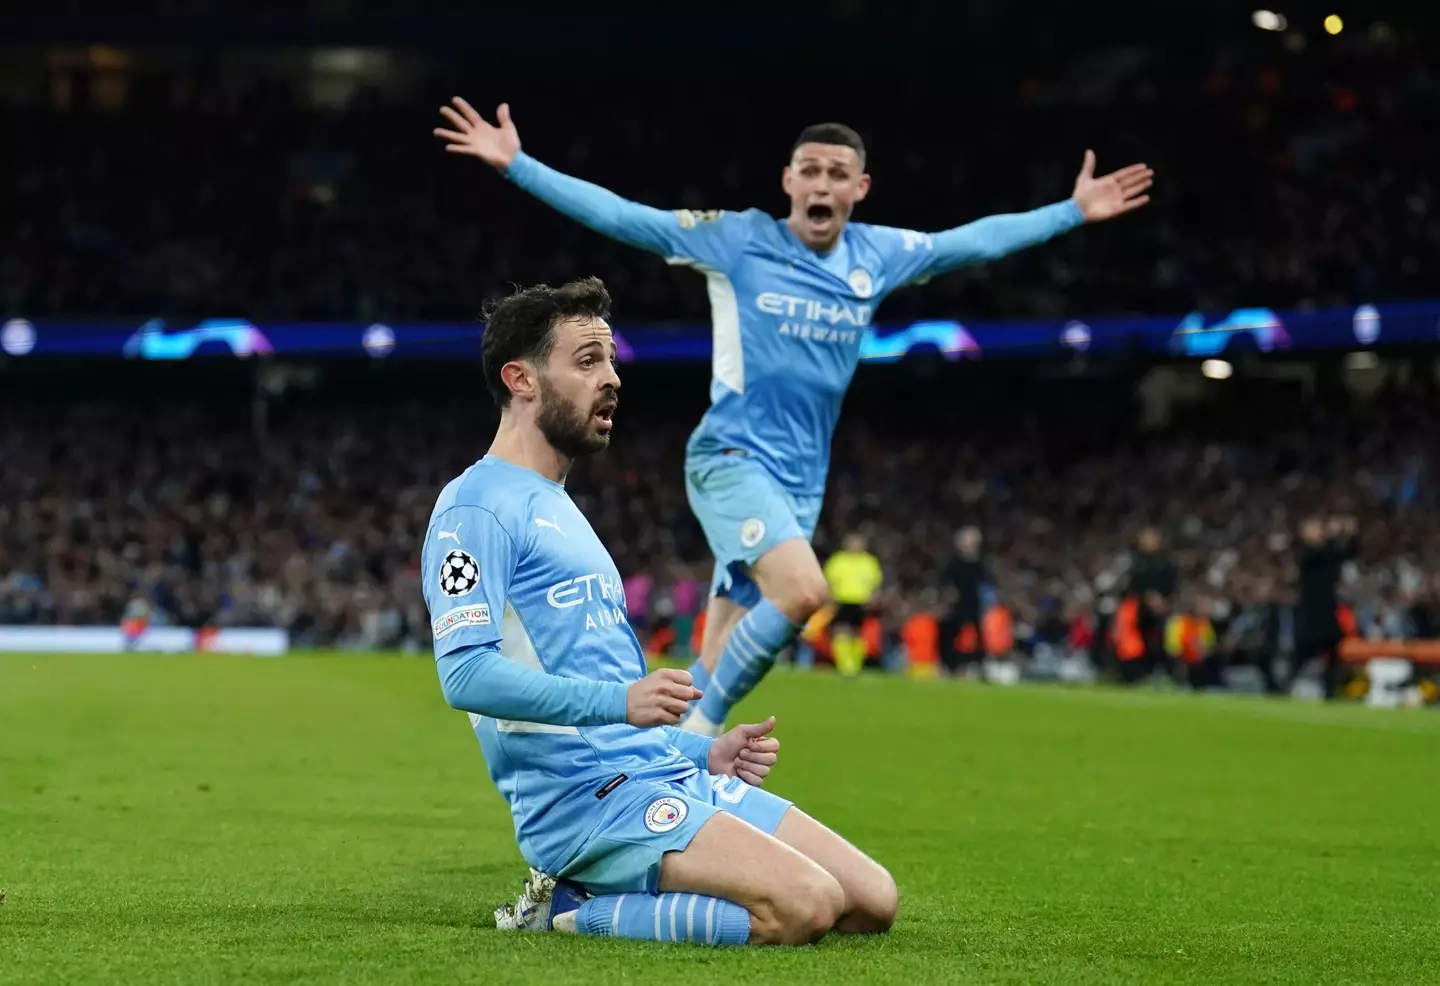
(452, 535)
(542, 522)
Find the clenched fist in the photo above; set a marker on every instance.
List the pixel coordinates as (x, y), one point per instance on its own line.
(661, 698)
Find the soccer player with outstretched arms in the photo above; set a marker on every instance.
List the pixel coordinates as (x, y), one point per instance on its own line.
(791, 300)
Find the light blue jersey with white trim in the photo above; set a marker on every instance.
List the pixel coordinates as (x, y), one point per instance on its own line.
(531, 638)
(788, 322)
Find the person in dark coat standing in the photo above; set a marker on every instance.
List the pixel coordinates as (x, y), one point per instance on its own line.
(1324, 550)
(961, 583)
(1153, 580)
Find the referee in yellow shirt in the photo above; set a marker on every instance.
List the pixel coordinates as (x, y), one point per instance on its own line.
(854, 577)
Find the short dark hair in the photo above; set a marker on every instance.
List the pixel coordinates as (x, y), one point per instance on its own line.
(521, 325)
(830, 133)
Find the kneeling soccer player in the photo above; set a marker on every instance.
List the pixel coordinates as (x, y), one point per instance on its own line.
(633, 828)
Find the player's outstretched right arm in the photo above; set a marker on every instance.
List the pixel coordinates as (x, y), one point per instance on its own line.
(918, 256)
(468, 563)
(709, 238)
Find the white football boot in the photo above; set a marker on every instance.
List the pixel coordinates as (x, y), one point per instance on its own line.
(546, 904)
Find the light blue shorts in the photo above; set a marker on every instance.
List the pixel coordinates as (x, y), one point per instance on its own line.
(623, 854)
(744, 513)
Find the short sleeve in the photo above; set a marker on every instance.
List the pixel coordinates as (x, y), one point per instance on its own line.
(467, 562)
(710, 239)
(905, 255)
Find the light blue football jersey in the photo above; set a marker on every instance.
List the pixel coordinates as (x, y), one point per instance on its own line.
(787, 322)
(531, 636)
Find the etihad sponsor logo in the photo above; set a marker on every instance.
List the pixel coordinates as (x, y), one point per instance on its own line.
(832, 313)
(588, 590)
(819, 333)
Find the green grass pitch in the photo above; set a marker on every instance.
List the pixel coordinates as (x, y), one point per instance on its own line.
(327, 819)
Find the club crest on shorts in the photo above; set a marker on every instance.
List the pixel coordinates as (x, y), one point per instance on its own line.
(459, 573)
(664, 814)
(860, 282)
(752, 532)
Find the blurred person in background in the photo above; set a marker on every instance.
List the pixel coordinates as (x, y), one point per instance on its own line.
(135, 621)
(853, 576)
(1253, 636)
(920, 634)
(1191, 643)
(1140, 619)
(639, 589)
(1324, 550)
(1048, 640)
(997, 633)
(963, 581)
(1082, 639)
(1424, 618)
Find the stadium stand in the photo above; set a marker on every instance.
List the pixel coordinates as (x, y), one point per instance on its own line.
(206, 192)
(314, 523)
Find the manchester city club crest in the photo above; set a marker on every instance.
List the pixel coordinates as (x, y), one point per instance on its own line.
(752, 532)
(860, 283)
(664, 814)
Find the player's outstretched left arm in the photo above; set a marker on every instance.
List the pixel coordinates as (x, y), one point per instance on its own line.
(709, 238)
(1093, 200)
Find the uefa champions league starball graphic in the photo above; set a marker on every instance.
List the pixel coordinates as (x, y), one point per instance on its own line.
(1367, 325)
(378, 340)
(17, 337)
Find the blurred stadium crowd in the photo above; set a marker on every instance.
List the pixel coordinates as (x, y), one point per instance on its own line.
(1287, 179)
(1289, 176)
(316, 527)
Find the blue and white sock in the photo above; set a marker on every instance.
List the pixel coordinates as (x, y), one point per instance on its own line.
(700, 678)
(748, 655)
(665, 917)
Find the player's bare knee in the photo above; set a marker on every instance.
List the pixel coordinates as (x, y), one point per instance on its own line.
(803, 599)
(786, 921)
(882, 901)
(818, 902)
(826, 905)
(872, 901)
(800, 911)
(767, 925)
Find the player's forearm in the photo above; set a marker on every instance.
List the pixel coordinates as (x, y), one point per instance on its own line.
(599, 208)
(999, 236)
(695, 747)
(477, 679)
